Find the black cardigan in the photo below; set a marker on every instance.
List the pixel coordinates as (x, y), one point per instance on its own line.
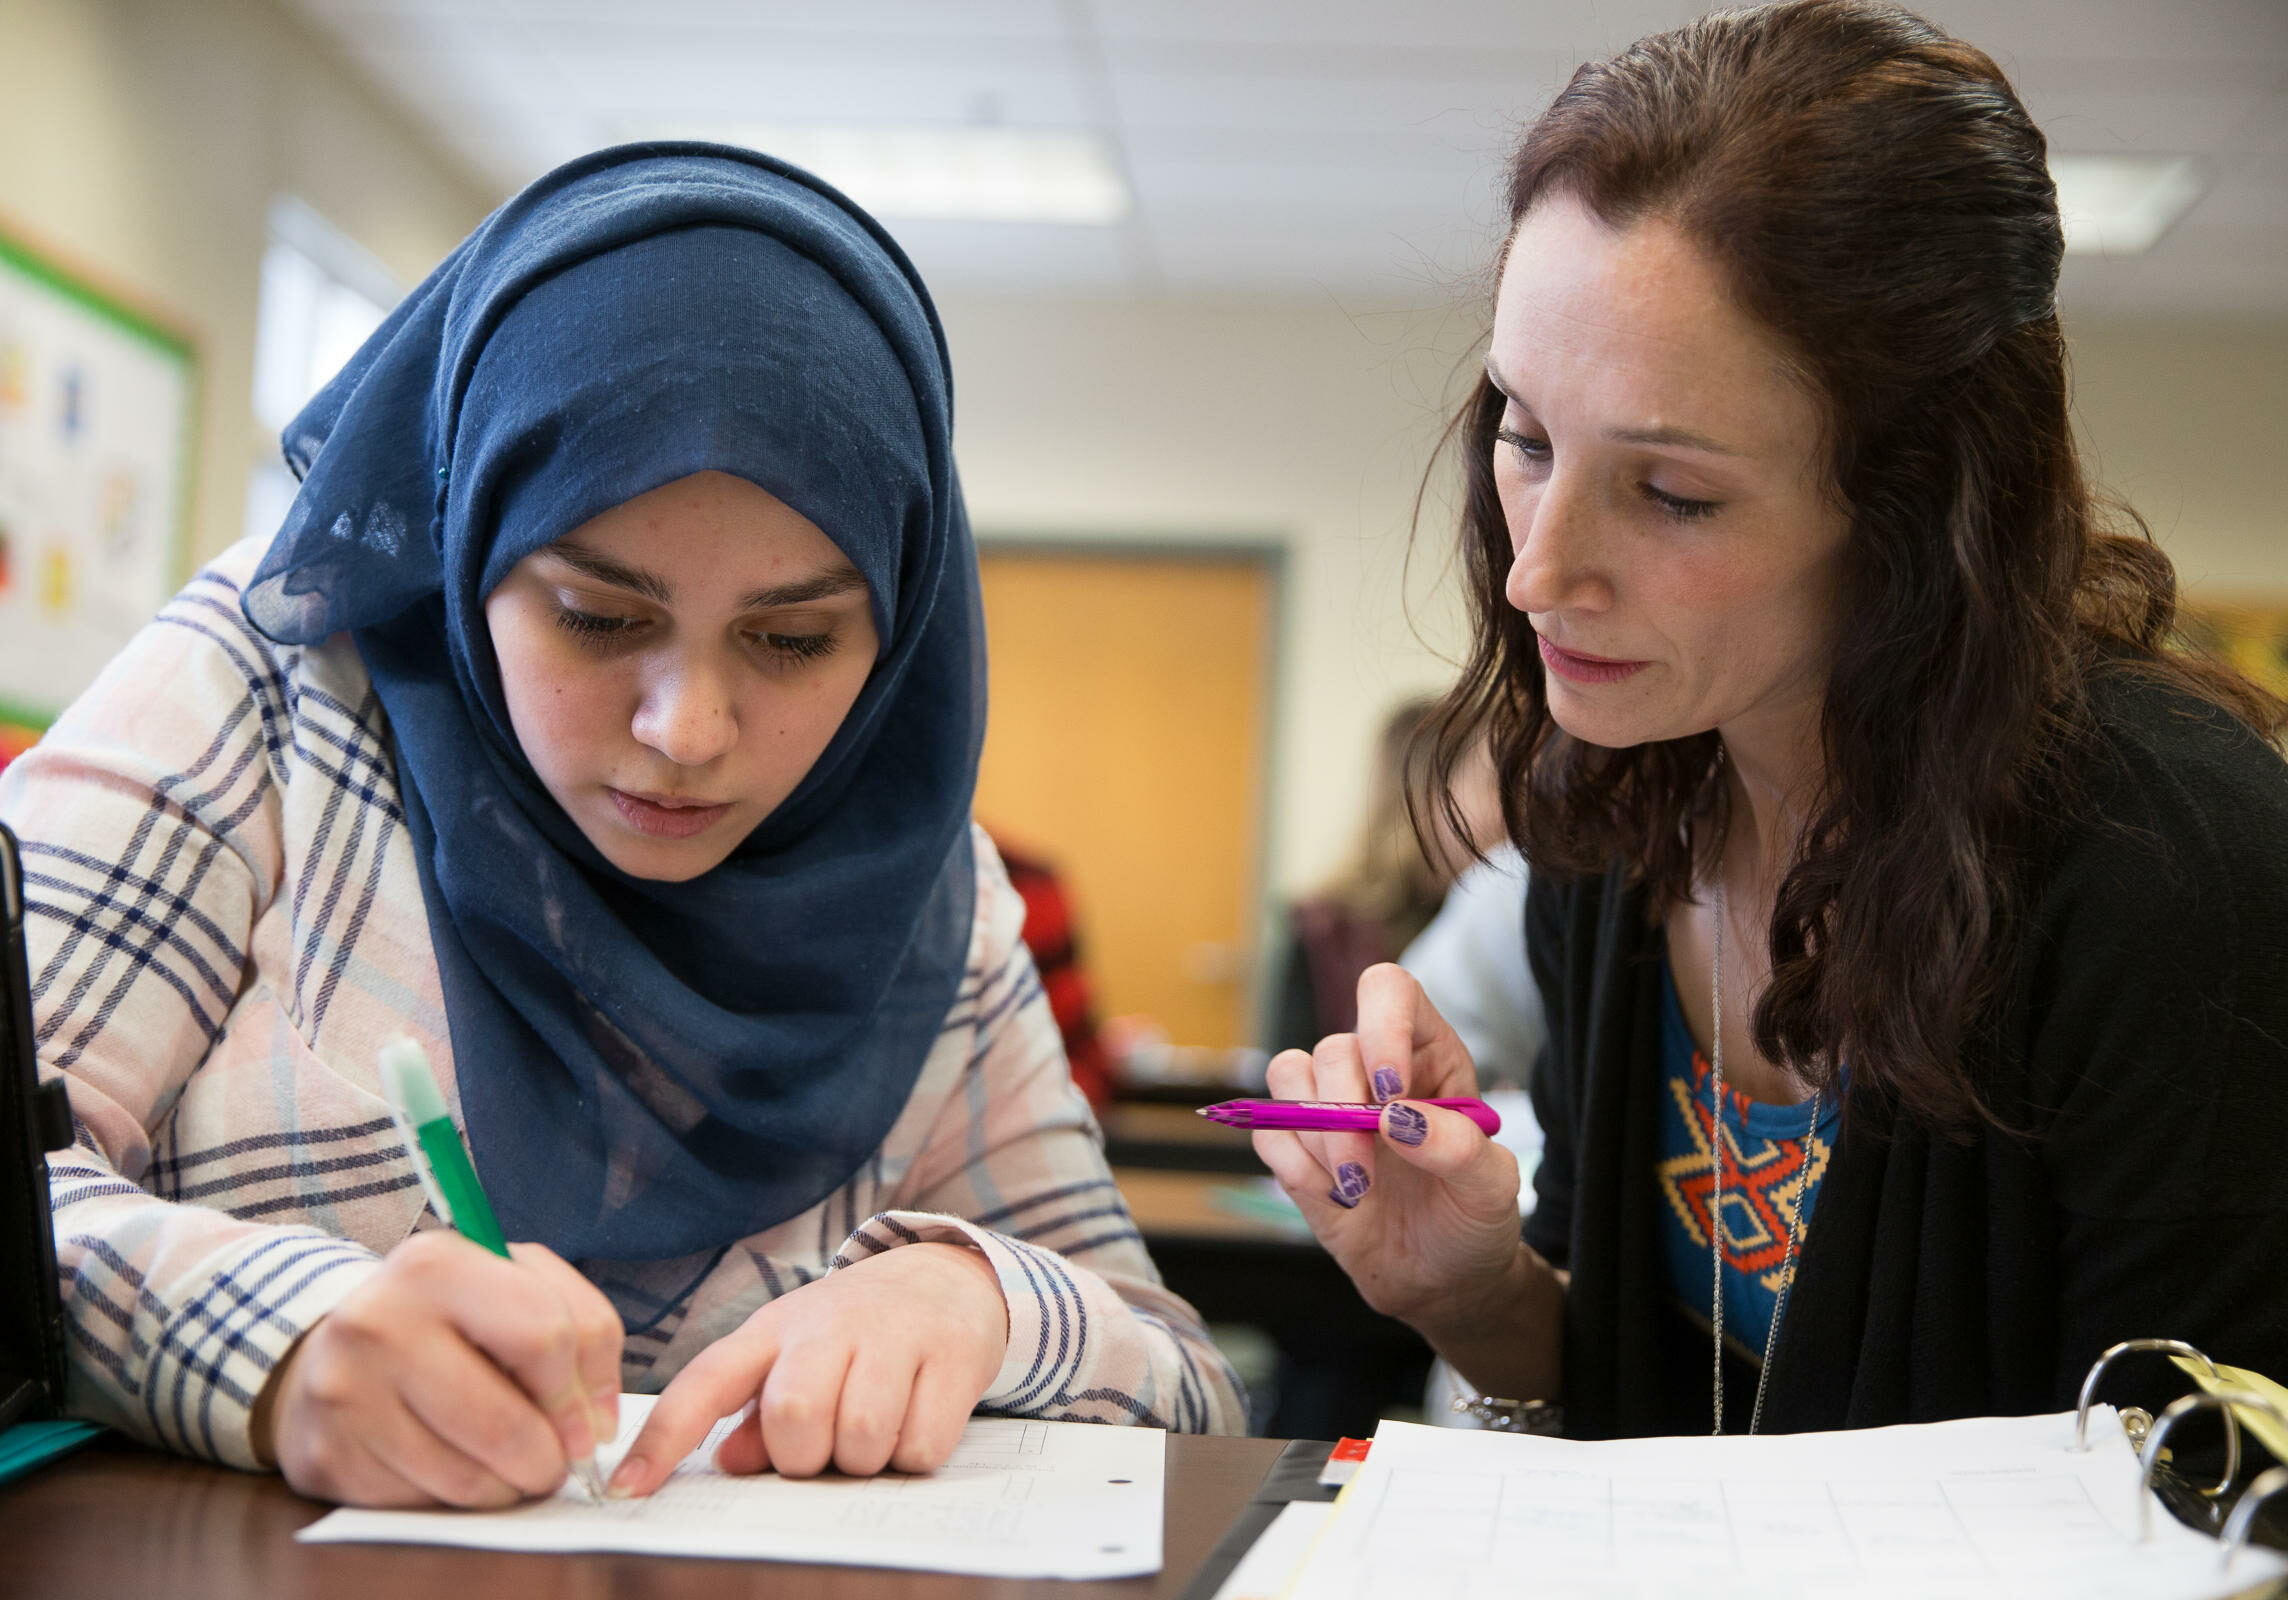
(2143, 1042)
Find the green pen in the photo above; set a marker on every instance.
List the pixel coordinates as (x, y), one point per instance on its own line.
(434, 1146)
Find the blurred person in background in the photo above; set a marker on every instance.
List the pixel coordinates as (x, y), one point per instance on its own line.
(1470, 960)
(1330, 1383)
(1053, 937)
(1371, 910)
(1471, 964)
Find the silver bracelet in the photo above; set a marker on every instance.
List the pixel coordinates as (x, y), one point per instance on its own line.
(1510, 1416)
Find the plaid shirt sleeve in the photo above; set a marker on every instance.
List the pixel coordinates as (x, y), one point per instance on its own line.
(149, 821)
(224, 925)
(1015, 1167)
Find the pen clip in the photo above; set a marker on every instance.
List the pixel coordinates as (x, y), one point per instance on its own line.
(420, 1160)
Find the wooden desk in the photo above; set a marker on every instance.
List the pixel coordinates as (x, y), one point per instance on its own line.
(1144, 1133)
(119, 1520)
(1234, 1267)
(1345, 1364)
(1169, 1206)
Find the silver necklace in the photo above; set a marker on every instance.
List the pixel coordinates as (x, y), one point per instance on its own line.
(1716, 1210)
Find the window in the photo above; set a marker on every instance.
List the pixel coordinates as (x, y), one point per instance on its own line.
(322, 295)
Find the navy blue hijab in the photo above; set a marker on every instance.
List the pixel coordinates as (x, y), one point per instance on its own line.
(648, 1069)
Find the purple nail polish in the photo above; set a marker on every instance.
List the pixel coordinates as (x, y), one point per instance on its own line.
(1407, 1125)
(1350, 1185)
(1386, 1084)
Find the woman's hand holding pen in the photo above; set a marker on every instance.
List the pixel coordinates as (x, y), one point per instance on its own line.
(1427, 1205)
(1422, 1214)
(451, 1377)
(878, 1364)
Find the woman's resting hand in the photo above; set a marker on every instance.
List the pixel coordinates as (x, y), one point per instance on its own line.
(878, 1364)
(1423, 1213)
(451, 1377)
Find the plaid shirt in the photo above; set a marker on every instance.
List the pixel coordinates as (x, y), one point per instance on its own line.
(226, 923)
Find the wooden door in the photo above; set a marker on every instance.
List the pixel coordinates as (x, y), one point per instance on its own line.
(1126, 745)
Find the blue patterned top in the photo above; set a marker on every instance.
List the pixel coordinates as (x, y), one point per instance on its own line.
(1765, 1173)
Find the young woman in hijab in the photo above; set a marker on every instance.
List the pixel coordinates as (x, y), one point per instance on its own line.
(605, 719)
(1903, 898)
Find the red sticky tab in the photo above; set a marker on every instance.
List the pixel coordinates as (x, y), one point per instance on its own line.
(1343, 1462)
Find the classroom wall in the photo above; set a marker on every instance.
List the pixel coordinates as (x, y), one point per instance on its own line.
(1308, 421)
(142, 142)
(144, 139)
(2189, 421)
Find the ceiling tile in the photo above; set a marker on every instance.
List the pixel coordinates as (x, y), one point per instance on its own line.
(1282, 145)
(1446, 24)
(887, 20)
(796, 91)
(2266, 130)
(1018, 258)
(1204, 191)
(1461, 111)
(2103, 124)
(2154, 31)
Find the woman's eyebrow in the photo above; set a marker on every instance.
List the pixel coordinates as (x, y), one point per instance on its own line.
(817, 586)
(605, 570)
(1684, 438)
(834, 580)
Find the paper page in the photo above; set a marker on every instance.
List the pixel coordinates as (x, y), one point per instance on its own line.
(1989, 1507)
(1272, 1561)
(2267, 1418)
(1016, 1500)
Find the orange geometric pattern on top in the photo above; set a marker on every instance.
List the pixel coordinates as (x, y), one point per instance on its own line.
(1763, 1185)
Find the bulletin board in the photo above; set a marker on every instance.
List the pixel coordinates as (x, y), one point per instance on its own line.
(97, 411)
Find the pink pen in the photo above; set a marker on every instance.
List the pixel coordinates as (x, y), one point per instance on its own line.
(1321, 1116)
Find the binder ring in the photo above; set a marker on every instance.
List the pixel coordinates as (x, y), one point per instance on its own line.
(2177, 1412)
(2174, 1347)
(2243, 1518)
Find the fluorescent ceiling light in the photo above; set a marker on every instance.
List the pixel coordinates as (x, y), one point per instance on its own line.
(966, 174)
(2121, 205)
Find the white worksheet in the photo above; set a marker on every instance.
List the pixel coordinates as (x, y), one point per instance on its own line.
(1989, 1507)
(1016, 1500)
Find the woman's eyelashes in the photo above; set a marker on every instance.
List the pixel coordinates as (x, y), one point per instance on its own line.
(1679, 507)
(796, 646)
(596, 627)
(1534, 452)
(607, 631)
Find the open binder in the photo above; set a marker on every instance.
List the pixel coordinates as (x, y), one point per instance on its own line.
(2232, 1519)
(2019, 1506)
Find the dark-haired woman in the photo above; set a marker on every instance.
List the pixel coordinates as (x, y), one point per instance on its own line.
(1872, 817)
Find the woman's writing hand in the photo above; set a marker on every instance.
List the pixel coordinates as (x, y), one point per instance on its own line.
(1423, 1213)
(451, 1377)
(875, 1365)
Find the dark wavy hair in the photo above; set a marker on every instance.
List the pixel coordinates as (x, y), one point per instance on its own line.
(1873, 193)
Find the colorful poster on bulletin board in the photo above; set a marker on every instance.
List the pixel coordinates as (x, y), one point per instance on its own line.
(96, 415)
